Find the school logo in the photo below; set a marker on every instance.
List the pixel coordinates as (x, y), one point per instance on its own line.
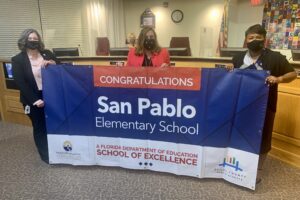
(231, 162)
(67, 146)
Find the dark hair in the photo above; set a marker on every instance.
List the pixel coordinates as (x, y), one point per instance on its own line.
(140, 43)
(258, 29)
(24, 38)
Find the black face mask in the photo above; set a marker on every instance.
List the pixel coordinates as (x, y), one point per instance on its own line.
(256, 45)
(33, 45)
(149, 44)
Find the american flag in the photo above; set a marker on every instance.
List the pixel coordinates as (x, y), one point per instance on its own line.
(223, 35)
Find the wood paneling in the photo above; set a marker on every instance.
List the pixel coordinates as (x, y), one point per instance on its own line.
(195, 64)
(11, 108)
(13, 104)
(286, 131)
(1, 110)
(104, 63)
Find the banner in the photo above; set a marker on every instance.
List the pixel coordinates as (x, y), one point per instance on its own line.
(186, 121)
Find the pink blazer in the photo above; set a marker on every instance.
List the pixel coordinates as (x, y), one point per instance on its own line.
(157, 58)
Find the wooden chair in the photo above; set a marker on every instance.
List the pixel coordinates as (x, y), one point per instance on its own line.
(181, 42)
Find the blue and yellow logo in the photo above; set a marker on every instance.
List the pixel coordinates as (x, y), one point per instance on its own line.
(67, 146)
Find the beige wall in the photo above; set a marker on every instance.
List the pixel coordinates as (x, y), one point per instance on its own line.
(63, 27)
(241, 16)
(201, 21)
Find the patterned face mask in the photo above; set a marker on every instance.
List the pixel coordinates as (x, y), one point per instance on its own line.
(149, 44)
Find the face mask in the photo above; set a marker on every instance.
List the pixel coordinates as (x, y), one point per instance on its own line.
(33, 45)
(149, 44)
(256, 45)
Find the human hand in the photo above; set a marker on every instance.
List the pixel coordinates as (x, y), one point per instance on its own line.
(45, 63)
(229, 67)
(39, 103)
(164, 65)
(119, 64)
(271, 80)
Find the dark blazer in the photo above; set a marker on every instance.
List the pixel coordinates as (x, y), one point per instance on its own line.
(24, 78)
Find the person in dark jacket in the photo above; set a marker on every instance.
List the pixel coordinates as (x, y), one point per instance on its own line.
(257, 57)
(26, 68)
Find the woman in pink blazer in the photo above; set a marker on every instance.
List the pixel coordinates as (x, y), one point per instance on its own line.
(148, 53)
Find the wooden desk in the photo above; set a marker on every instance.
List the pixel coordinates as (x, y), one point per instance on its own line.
(123, 51)
(120, 51)
(286, 130)
(11, 108)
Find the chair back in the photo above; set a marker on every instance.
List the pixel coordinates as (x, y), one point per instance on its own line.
(181, 42)
(102, 46)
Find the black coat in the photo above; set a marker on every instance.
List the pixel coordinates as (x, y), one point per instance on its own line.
(24, 78)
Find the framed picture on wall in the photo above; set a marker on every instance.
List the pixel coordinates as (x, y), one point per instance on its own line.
(147, 19)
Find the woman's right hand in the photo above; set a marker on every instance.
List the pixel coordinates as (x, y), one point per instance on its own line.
(229, 67)
(164, 65)
(39, 103)
(48, 62)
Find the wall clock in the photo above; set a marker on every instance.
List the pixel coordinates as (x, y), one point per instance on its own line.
(177, 16)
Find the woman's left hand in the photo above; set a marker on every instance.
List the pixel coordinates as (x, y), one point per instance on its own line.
(48, 62)
(271, 80)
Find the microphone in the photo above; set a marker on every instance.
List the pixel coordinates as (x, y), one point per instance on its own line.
(79, 47)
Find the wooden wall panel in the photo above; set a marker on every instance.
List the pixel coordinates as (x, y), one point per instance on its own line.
(286, 131)
(13, 104)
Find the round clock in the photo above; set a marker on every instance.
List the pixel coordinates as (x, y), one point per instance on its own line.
(177, 16)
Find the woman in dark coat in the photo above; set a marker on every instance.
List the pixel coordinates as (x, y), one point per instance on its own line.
(27, 74)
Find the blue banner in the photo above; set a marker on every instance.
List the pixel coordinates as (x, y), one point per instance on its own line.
(229, 105)
(221, 109)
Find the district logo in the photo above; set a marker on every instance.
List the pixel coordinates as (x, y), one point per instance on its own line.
(67, 146)
(231, 162)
